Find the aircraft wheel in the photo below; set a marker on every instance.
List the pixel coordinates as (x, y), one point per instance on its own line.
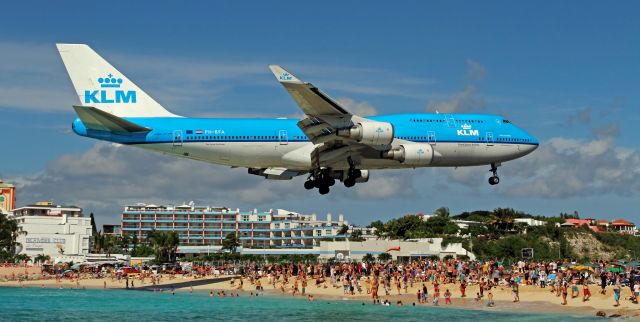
(309, 184)
(323, 190)
(494, 180)
(349, 182)
(330, 181)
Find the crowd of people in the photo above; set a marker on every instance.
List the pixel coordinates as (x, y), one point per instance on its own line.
(445, 276)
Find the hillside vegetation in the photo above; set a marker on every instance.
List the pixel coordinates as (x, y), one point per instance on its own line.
(499, 236)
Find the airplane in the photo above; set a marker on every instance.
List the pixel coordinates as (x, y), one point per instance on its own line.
(328, 144)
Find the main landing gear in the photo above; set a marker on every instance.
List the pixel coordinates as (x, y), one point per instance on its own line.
(320, 179)
(352, 174)
(494, 180)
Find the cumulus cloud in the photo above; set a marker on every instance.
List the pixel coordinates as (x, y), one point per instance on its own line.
(108, 176)
(387, 184)
(564, 167)
(362, 108)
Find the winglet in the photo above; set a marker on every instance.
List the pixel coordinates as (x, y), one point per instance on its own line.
(284, 76)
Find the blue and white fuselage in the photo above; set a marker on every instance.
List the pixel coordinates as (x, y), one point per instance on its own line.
(457, 139)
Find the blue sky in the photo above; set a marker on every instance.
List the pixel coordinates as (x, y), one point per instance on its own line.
(567, 72)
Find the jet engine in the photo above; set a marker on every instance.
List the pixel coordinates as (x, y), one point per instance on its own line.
(372, 133)
(413, 154)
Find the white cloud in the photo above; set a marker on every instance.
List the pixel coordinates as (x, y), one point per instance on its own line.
(564, 167)
(361, 108)
(387, 184)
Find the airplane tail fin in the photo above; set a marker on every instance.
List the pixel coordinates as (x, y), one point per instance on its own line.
(99, 84)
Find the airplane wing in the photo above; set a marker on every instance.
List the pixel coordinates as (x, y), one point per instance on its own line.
(336, 132)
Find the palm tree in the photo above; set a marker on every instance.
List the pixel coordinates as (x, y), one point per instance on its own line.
(164, 244)
(41, 258)
(368, 258)
(21, 258)
(384, 257)
(230, 242)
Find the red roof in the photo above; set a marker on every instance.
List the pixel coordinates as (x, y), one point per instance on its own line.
(621, 222)
(578, 222)
(602, 222)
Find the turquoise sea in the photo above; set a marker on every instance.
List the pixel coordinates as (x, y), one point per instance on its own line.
(34, 304)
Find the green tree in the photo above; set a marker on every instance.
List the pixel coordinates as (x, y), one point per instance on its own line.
(343, 229)
(41, 258)
(442, 212)
(164, 244)
(94, 229)
(356, 235)
(384, 257)
(19, 258)
(230, 243)
(368, 258)
(9, 232)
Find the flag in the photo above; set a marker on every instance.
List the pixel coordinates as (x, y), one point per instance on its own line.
(198, 131)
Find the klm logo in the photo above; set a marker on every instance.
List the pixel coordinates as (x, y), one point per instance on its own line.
(285, 77)
(105, 95)
(467, 131)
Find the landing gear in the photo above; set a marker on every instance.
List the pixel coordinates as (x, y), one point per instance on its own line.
(320, 179)
(494, 180)
(352, 174)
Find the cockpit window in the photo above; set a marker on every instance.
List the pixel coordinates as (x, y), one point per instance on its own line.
(505, 121)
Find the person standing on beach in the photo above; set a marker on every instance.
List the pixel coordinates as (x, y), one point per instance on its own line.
(564, 291)
(516, 292)
(447, 297)
(616, 294)
(463, 288)
(586, 292)
(490, 302)
(603, 282)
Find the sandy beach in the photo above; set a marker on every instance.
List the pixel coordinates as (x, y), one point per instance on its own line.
(532, 299)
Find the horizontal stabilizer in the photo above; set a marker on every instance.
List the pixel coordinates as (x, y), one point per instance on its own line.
(96, 119)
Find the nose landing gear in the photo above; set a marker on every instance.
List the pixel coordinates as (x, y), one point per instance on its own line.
(494, 180)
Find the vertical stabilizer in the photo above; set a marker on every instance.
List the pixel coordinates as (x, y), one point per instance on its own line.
(99, 84)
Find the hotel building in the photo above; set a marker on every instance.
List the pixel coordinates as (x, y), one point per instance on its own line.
(203, 229)
(53, 230)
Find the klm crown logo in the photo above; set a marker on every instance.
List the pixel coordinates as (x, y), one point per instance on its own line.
(286, 77)
(106, 95)
(110, 81)
(466, 127)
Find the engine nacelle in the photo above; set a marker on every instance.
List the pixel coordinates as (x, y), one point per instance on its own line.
(364, 176)
(413, 154)
(372, 133)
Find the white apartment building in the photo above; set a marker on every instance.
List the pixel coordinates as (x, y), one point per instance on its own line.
(53, 230)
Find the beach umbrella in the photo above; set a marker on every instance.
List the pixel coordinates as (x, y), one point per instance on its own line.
(582, 268)
(614, 269)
